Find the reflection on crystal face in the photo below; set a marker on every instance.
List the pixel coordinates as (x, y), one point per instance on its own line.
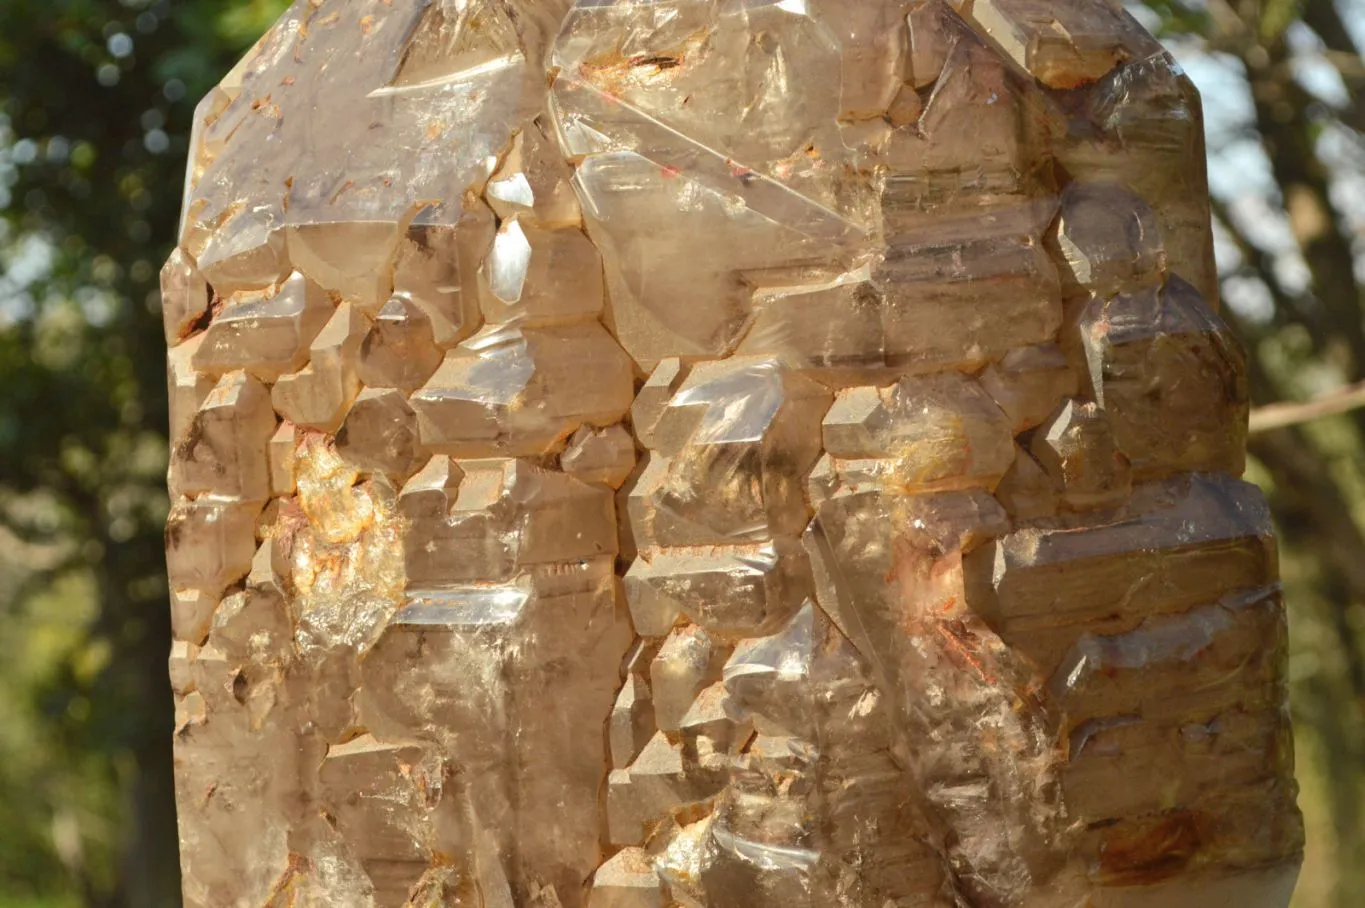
(1108, 239)
(533, 182)
(224, 451)
(939, 432)
(400, 350)
(184, 296)
(536, 277)
(490, 519)
(1171, 377)
(266, 333)
(495, 656)
(380, 434)
(510, 391)
(209, 542)
(1076, 448)
(730, 453)
(317, 396)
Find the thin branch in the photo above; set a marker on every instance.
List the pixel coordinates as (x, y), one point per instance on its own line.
(1286, 413)
(1335, 403)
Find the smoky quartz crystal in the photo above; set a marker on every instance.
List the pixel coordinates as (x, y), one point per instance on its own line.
(715, 454)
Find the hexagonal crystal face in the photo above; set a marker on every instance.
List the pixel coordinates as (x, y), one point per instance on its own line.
(720, 454)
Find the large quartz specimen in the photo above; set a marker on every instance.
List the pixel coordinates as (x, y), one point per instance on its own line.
(715, 454)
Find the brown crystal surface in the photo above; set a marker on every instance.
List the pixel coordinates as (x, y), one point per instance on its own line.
(715, 454)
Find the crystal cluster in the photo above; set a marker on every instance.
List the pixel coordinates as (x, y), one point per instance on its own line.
(715, 454)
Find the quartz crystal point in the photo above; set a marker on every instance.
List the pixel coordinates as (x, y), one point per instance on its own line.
(716, 454)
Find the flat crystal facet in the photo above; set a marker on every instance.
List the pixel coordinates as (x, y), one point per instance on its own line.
(222, 453)
(715, 454)
(184, 296)
(510, 391)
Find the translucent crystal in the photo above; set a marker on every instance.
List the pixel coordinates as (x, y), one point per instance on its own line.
(657, 784)
(733, 591)
(739, 436)
(715, 454)
(873, 47)
(436, 268)
(266, 333)
(469, 670)
(219, 756)
(940, 431)
(632, 721)
(280, 460)
(400, 350)
(627, 880)
(1064, 46)
(1210, 531)
(1026, 491)
(348, 259)
(1141, 126)
(184, 296)
(380, 434)
(533, 181)
(388, 799)
(677, 285)
(317, 396)
(652, 399)
(254, 625)
(1077, 449)
(1171, 378)
(210, 542)
(538, 277)
(192, 613)
(509, 391)
(600, 455)
(688, 661)
(492, 519)
(1029, 384)
(186, 386)
(223, 453)
(1108, 240)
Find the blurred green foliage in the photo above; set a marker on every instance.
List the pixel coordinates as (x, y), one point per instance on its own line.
(96, 98)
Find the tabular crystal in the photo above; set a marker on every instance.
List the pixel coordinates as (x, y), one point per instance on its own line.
(716, 454)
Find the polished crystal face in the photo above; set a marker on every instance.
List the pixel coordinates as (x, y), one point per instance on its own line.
(715, 454)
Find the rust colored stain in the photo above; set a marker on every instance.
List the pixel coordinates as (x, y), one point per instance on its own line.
(1159, 850)
(613, 73)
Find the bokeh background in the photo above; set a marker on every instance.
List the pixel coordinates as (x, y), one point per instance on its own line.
(96, 98)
